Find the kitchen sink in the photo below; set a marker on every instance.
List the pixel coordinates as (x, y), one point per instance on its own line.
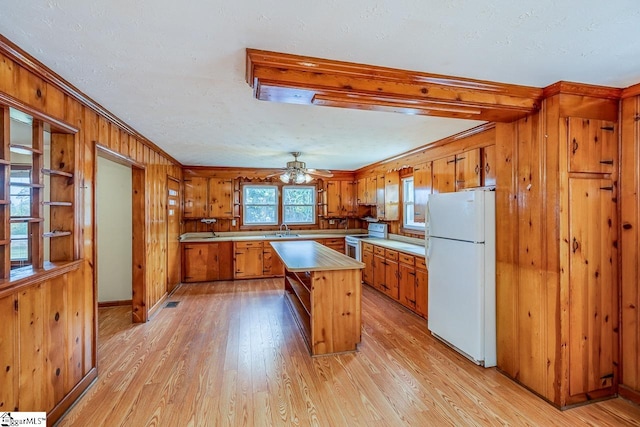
(281, 235)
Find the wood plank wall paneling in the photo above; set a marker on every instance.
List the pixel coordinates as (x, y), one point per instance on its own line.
(46, 357)
(630, 253)
(533, 283)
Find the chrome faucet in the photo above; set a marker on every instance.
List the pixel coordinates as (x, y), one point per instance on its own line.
(286, 229)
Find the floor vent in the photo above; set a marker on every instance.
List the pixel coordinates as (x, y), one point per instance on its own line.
(171, 304)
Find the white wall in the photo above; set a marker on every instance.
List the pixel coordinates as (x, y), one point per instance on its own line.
(114, 218)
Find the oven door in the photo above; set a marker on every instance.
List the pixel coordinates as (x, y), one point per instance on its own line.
(352, 248)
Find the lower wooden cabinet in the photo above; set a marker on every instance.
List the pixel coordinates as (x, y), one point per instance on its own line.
(336, 244)
(248, 259)
(398, 275)
(422, 290)
(271, 264)
(206, 262)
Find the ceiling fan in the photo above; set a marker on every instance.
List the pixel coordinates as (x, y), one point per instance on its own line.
(297, 173)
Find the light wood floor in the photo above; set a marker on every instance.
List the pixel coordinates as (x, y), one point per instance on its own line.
(231, 354)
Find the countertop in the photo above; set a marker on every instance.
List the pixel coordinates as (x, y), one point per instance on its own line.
(266, 235)
(410, 248)
(308, 255)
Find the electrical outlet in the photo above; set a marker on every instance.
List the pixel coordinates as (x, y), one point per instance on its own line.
(233, 222)
(332, 221)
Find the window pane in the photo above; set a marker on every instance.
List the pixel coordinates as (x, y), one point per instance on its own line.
(260, 215)
(408, 207)
(298, 195)
(256, 195)
(298, 214)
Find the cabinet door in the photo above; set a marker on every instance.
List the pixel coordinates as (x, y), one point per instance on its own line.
(592, 284)
(195, 197)
(422, 290)
(361, 191)
(200, 262)
(592, 145)
(348, 207)
(372, 188)
(379, 278)
(221, 198)
(380, 197)
(444, 174)
(489, 165)
(407, 286)
(468, 169)
(334, 203)
(271, 264)
(422, 183)
(392, 196)
(367, 272)
(391, 279)
(248, 262)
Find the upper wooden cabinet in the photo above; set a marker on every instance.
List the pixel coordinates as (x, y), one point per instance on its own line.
(489, 168)
(380, 197)
(195, 197)
(460, 171)
(220, 198)
(340, 199)
(367, 188)
(592, 145)
(422, 187)
(444, 174)
(468, 169)
(208, 198)
(392, 196)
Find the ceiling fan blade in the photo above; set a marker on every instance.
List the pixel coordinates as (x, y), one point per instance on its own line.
(320, 172)
(275, 173)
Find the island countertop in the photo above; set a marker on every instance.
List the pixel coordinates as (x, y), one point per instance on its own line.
(307, 255)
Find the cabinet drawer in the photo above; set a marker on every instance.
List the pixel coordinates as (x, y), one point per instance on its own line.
(405, 259)
(367, 247)
(334, 242)
(390, 254)
(248, 244)
(378, 250)
(420, 262)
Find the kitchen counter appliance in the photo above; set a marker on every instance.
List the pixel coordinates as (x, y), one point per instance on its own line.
(353, 246)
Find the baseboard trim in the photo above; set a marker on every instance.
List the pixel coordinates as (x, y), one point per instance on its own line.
(72, 397)
(629, 393)
(114, 303)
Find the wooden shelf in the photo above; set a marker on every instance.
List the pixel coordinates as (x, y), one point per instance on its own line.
(4, 242)
(57, 172)
(298, 288)
(57, 203)
(25, 148)
(26, 184)
(5, 162)
(14, 220)
(5, 202)
(52, 234)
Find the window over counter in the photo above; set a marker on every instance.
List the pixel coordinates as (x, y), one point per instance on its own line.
(260, 204)
(299, 204)
(272, 204)
(408, 205)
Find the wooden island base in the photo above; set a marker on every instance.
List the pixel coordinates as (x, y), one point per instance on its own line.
(324, 290)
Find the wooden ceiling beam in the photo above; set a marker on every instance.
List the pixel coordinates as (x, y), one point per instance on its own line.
(297, 79)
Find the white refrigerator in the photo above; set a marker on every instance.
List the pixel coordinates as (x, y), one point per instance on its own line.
(460, 253)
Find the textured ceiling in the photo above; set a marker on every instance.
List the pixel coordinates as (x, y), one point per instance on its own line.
(174, 71)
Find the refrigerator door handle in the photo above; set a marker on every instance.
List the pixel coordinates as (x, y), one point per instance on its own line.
(428, 251)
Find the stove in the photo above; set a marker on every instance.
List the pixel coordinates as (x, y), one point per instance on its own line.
(353, 246)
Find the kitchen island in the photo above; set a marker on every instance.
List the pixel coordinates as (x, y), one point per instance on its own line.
(324, 290)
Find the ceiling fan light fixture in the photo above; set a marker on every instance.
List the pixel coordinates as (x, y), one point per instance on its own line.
(297, 173)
